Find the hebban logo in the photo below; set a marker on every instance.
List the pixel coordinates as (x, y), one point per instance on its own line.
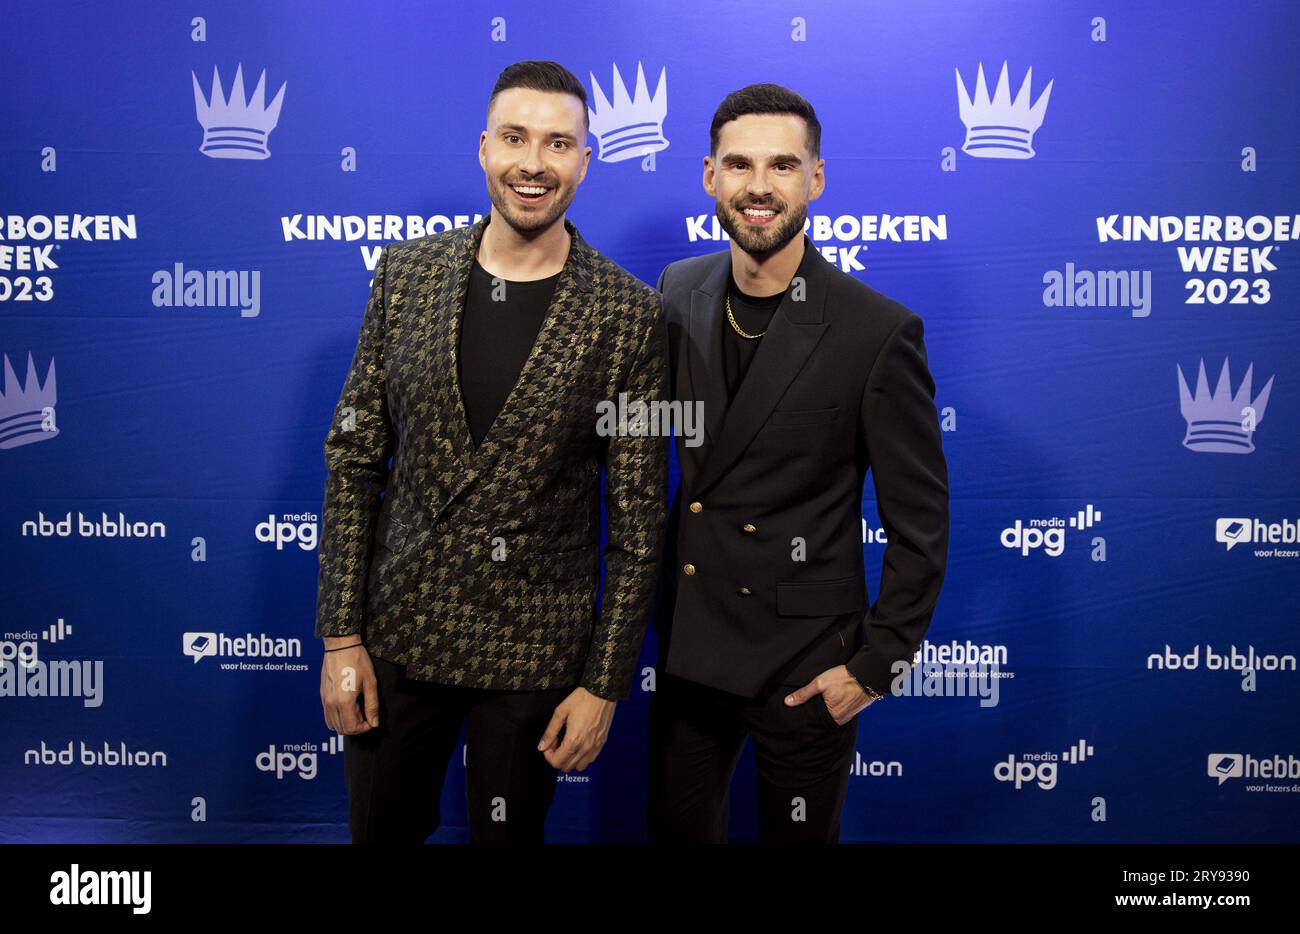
(103, 887)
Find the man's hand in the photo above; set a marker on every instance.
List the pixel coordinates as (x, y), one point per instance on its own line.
(349, 691)
(842, 694)
(585, 719)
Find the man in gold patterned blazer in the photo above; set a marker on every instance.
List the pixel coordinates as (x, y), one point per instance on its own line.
(467, 593)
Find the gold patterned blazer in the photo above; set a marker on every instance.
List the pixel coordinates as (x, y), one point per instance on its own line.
(479, 565)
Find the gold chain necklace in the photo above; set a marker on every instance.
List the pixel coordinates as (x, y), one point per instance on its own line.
(732, 319)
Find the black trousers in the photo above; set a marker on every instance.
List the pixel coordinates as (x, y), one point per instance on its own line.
(394, 774)
(696, 734)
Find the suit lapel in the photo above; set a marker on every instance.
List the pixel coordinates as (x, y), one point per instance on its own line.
(551, 354)
(456, 264)
(796, 329)
(704, 356)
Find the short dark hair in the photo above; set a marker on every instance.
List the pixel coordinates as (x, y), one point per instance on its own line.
(541, 76)
(766, 99)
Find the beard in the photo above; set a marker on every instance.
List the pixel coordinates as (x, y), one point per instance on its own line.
(525, 220)
(765, 240)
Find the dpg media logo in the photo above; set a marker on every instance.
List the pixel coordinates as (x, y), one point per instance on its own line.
(1040, 768)
(299, 759)
(24, 672)
(291, 528)
(1047, 535)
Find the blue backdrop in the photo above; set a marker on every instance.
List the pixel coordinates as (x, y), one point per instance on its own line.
(1123, 550)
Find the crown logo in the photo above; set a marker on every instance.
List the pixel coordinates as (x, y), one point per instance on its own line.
(22, 407)
(1000, 128)
(1222, 423)
(235, 128)
(630, 127)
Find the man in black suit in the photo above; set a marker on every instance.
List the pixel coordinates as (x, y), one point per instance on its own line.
(808, 378)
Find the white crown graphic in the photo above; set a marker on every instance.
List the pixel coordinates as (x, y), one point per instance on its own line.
(235, 128)
(1217, 423)
(22, 406)
(630, 127)
(1000, 128)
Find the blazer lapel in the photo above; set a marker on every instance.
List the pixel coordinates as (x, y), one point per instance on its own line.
(456, 264)
(543, 371)
(795, 331)
(704, 357)
(546, 363)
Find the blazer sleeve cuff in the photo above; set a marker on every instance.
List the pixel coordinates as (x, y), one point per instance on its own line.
(342, 625)
(876, 671)
(605, 686)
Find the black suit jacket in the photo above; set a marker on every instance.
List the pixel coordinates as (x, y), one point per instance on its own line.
(839, 384)
(478, 566)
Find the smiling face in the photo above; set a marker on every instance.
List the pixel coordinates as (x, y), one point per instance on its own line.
(763, 177)
(532, 155)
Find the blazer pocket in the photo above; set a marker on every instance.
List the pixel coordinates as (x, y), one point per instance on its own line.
(572, 565)
(820, 598)
(799, 417)
(395, 534)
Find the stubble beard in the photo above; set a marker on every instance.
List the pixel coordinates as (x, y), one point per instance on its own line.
(524, 221)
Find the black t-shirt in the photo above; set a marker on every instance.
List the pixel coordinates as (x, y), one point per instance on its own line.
(495, 340)
(754, 315)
